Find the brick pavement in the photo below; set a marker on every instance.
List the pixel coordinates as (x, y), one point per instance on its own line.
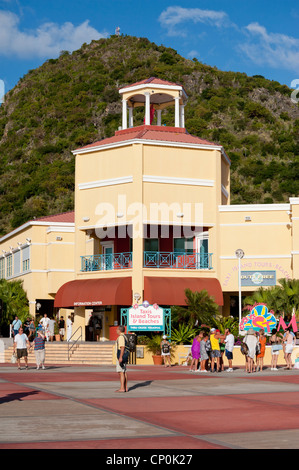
(76, 407)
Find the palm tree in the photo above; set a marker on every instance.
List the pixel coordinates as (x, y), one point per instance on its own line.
(281, 299)
(14, 301)
(200, 308)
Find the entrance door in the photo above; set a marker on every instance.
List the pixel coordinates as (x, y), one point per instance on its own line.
(107, 255)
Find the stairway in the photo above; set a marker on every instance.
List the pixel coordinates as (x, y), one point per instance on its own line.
(82, 353)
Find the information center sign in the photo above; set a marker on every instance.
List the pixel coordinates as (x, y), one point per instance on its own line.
(149, 318)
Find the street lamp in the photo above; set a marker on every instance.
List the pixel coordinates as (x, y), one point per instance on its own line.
(240, 254)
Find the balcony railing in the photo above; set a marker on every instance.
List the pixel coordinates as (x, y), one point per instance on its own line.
(111, 261)
(174, 260)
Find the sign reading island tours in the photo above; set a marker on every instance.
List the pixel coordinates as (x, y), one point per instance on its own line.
(146, 317)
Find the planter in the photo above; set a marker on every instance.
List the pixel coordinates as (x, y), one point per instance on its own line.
(158, 361)
(57, 337)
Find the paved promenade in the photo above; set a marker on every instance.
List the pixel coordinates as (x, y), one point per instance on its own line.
(76, 407)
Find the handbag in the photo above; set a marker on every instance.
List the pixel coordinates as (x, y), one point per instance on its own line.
(13, 358)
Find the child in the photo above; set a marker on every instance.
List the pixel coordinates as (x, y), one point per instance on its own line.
(165, 351)
(204, 357)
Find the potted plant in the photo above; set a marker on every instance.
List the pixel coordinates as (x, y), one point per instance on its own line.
(56, 331)
(154, 346)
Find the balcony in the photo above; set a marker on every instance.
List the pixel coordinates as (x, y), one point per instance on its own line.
(106, 262)
(174, 260)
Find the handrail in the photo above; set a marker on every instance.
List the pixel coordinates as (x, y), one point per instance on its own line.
(74, 343)
(177, 260)
(106, 262)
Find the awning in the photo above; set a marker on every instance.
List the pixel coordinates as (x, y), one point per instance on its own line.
(93, 292)
(171, 290)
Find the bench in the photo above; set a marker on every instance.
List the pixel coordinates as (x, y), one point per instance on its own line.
(184, 356)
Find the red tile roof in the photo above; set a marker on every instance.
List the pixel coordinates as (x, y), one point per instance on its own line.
(152, 133)
(153, 80)
(67, 217)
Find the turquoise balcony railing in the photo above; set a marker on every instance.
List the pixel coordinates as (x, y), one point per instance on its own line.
(110, 261)
(174, 260)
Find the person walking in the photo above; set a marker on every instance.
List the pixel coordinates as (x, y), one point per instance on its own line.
(16, 325)
(229, 347)
(290, 341)
(121, 362)
(204, 356)
(22, 345)
(215, 353)
(165, 351)
(39, 349)
(260, 356)
(45, 324)
(69, 325)
(31, 331)
(276, 346)
(195, 352)
(251, 341)
(61, 326)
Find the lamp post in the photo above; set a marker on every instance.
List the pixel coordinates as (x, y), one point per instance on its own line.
(240, 254)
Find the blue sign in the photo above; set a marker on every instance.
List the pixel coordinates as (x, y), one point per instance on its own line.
(258, 278)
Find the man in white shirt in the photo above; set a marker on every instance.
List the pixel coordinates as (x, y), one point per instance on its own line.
(45, 321)
(21, 344)
(229, 346)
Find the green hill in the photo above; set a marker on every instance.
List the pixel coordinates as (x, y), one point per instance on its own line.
(73, 100)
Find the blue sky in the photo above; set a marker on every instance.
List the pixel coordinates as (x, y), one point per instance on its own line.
(255, 37)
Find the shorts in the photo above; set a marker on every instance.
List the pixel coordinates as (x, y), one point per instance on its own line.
(289, 348)
(122, 367)
(215, 353)
(229, 354)
(22, 353)
(62, 332)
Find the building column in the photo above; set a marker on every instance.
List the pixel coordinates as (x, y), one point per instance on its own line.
(124, 117)
(159, 113)
(147, 109)
(177, 112)
(130, 116)
(182, 116)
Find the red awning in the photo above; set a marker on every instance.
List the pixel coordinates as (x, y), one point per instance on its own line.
(93, 292)
(171, 290)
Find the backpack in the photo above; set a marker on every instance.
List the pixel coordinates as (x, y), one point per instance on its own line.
(165, 348)
(130, 340)
(208, 346)
(244, 349)
(258, 347)
(126, 353)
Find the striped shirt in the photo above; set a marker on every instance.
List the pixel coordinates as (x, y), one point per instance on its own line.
(39, 343)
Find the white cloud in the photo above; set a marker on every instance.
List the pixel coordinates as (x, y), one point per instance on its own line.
(174, 16)
(46, 41)
(274, 49)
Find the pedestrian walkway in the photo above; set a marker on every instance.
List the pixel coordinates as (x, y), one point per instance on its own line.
(76, 407)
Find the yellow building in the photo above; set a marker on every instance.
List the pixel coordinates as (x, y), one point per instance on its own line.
(40, 253)
(153, 217)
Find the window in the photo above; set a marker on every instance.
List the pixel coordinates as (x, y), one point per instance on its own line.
(2, 268)
(26, 258)
(183, 245)
(17, 263)
(9, 266)
(151, 244)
